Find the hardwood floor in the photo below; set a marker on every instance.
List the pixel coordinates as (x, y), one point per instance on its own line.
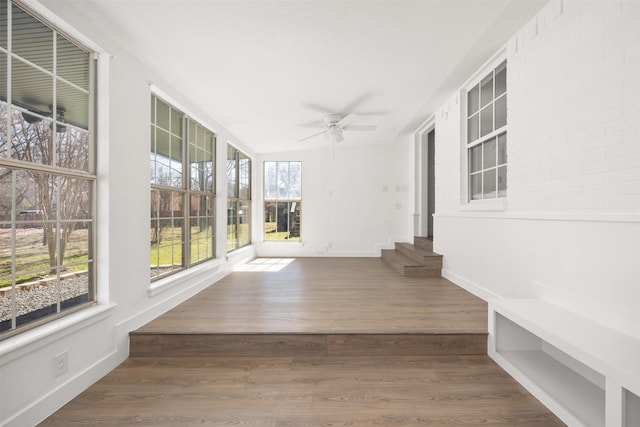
(318, 342)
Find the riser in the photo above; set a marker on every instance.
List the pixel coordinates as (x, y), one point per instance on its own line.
(289, 345)
(423, 243)
(419, 255)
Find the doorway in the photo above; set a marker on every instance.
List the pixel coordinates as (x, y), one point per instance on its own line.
(431, 178)
(425, 194)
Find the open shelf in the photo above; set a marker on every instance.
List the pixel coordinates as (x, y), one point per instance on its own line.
(583, 371)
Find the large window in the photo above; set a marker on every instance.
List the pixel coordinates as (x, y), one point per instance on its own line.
(182, 190)
(487, 135)
(282, 200)
(47, 172)
(238, 199)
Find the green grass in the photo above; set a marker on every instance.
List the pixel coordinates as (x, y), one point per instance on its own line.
(170, 250)
(33, 256)
(270, 233)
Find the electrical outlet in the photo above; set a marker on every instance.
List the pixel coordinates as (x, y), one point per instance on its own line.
(60, 364)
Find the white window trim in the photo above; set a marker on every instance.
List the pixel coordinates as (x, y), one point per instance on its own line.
(466, 204)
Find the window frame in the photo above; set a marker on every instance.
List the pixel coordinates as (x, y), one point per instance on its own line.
(293, 203)
(499, 135)
(184, 189)
(235, 198)
(61, 173)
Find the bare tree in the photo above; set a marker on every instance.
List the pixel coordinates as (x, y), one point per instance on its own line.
(63, 200)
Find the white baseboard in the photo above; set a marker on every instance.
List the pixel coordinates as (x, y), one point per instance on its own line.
(55, 399)
(470, 286)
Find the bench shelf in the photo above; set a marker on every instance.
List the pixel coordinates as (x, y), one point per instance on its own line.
(586, 373)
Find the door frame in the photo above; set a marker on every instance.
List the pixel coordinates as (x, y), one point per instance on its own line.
(421, 184)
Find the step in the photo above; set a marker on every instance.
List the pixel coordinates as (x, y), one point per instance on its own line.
(410, 267)
(425, 243)
(423, 256)
(153, 344)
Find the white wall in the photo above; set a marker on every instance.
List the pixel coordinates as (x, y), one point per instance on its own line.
(569, 230)
(352, 205)
(96, 339)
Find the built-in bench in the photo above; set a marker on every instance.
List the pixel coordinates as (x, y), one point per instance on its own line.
(586, 373)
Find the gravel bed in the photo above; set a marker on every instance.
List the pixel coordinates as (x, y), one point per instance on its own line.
(28, 300)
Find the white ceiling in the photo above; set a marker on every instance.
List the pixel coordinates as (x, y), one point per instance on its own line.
(263, 68)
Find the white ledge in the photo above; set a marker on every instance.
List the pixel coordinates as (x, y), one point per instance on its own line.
(543, 216)
(26, 342)
(181, 277)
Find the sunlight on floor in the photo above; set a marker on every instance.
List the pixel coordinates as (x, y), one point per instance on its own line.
(264, 264)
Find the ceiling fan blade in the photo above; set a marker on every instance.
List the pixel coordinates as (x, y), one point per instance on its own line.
(312, 136)
(360, 127)
(346, 120)
(314, 125)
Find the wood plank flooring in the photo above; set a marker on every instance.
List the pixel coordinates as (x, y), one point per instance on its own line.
(312, 342)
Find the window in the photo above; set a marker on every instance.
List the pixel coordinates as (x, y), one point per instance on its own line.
(487, 135)
(238, 199)
(182, 191)
(47, 172)
(282, 200)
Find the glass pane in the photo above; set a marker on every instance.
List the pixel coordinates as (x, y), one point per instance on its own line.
(31, 39)
(73, 105)
(473, 128)
(176, 122)
(475, 158)
(270, 220)
(486, 120)
(162, 158)
(75, 198)
(245, 177)
(162, 115)
(3, 76)
(4, 143)
(489, 154)
(73, 149)
(31, 88)
(6, 207)
(489, 183)
(294, 220)
(502, 148)
(501, 79)
(74, 286)
(475, 185)
(502, 181)
(153, 109)
(501, 112)
(486, 91)
(244, 218)
(473, 100)
(283, 180)
(36, 251)
(3, 24)
(76, 251)
(270, 181)
(72, 63)
(295, 180)
(232, 190)
(32, 139)
(232, 221)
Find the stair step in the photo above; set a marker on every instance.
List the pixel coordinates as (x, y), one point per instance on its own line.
(144, 344)
(423, 256)
(425, 243)
(411, 267)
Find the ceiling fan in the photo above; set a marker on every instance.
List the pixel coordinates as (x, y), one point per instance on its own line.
(334, 124)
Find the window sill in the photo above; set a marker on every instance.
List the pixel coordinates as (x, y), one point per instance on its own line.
(490, 205)
(28, 341)
(176, 279)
